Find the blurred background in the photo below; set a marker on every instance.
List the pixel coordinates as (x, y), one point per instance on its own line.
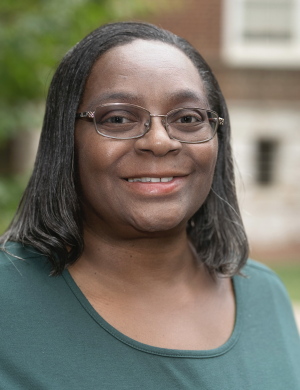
(253, 47)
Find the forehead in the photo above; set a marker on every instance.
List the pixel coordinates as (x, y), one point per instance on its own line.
(142, 71)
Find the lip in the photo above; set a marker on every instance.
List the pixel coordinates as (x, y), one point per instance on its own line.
(161, 188)
(160, 174)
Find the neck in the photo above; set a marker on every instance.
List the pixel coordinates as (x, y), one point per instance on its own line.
(138, 262)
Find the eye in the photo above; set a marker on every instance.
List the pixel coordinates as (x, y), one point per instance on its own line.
(189, 119)
(105, 116)
(117, 119)
(186, 116)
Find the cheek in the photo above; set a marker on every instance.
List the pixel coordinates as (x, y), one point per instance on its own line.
(96, 159)
(100, 163)
(96, 154)
(205, 157)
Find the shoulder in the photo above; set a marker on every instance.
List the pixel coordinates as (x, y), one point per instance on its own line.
(18, 261)
(259, 274)
(265, 290)
(269, 332)
(26, 287)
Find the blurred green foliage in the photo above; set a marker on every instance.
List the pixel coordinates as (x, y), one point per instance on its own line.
(35, 35)
(11, 189)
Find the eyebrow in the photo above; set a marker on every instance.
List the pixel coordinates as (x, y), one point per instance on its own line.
(175, 97)
(125, 97)
(187, 94)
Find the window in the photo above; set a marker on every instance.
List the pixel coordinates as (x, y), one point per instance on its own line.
(262, 32)
(266, 159)
(266, 20)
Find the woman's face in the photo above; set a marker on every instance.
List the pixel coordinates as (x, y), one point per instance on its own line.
(158, 77)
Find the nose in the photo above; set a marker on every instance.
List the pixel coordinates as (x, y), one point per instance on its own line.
(157, 140)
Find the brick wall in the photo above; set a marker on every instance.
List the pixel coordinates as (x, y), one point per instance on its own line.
(197, 21)
(200, 22)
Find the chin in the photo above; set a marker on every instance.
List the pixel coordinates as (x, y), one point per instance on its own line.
(159, 224)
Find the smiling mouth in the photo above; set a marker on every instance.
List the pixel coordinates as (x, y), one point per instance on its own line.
(150, 179)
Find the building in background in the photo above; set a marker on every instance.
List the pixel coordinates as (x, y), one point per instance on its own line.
(253, 47)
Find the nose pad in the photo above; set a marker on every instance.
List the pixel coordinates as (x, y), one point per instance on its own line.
(164, 123)
(147, 125)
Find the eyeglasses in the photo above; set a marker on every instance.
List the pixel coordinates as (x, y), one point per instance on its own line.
(127, 121)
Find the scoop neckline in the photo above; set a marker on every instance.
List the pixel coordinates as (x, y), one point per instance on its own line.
(166, 352)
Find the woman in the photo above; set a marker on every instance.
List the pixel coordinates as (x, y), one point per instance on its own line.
(132, 207)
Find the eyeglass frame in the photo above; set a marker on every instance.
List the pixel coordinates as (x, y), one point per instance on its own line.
(91, 115)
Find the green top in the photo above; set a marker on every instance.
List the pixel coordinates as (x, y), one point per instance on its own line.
(52, 338)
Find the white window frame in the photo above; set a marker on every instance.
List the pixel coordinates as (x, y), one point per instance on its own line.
(237, 52)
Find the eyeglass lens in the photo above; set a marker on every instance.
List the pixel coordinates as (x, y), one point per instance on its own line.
(126, 121)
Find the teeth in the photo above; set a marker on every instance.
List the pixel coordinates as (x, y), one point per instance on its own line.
(151, 179)
(155, 179)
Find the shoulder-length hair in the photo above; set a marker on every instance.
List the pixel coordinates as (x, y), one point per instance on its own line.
(49, 214)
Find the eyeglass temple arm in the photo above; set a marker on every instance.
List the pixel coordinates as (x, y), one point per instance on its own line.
(220, 120)
(86, 114)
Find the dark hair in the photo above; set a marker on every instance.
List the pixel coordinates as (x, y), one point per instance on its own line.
(49, 214)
